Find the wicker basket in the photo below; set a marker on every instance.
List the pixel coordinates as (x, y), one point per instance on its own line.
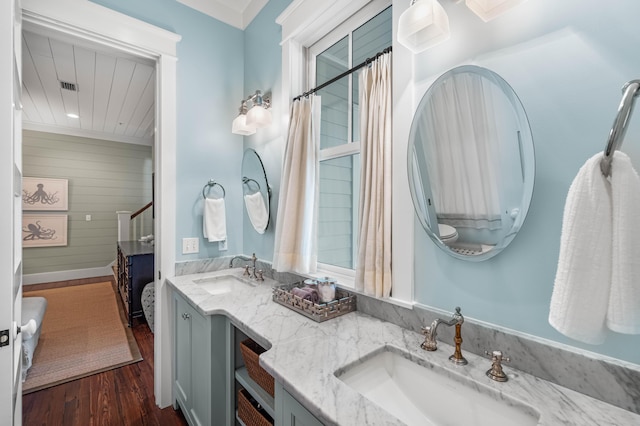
(250, 412)
(250, 352)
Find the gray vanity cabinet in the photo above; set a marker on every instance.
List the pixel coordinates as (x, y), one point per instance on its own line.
(200, 365)
(289, 412)
(208, 371)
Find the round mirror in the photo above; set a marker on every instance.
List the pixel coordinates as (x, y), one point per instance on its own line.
(255, 190)
(471, 163)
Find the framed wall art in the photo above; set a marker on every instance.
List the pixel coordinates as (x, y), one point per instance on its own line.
(47, 230)
(45, 194)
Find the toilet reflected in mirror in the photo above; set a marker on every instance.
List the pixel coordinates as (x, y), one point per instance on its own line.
(448, 234)
(255, 190)
(471, 163)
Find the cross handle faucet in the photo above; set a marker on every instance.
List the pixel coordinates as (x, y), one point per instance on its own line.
(431, 332)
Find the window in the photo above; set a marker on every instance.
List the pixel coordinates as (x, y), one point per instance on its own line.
(339, 128)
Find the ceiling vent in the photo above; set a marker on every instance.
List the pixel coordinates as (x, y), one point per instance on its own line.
(72, 87)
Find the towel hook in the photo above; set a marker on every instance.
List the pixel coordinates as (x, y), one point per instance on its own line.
(630, 91)
(210, 185)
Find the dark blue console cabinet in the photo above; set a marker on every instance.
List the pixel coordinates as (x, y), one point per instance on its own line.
(135, 270)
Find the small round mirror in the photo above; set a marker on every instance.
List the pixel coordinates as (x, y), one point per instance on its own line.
(471, 163)
(256, 191)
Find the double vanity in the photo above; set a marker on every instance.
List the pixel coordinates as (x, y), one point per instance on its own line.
(351, 370)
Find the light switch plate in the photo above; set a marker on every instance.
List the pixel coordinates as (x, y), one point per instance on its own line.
(222, 245)
(190, 245)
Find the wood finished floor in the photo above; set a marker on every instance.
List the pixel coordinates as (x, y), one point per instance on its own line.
(122, 397)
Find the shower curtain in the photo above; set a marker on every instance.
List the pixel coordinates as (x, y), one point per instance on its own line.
(463, 156)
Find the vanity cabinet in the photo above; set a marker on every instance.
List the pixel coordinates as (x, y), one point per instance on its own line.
(200, 365)
(291, 412)
(209, 371)
(283, 408)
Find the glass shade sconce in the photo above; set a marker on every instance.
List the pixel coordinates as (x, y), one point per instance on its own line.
(239, 125)
(425, 23)
(253, 117)
(489, 9)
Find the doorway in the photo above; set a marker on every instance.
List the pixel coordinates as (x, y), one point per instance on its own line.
(96, 24)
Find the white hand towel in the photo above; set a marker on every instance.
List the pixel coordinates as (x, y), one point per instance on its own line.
(581, 290)
(214, 219)
(257, 211)
(624, 302)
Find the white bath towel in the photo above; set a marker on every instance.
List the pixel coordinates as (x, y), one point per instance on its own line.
(214, 220)
(596, 283)
(623, 315)
(583, 280)
(257, 211)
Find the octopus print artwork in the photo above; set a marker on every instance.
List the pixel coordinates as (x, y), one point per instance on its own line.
(44, 230)
(44, 194)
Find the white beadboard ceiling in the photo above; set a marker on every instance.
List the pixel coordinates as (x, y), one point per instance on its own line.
(114, 96)
(237, 13)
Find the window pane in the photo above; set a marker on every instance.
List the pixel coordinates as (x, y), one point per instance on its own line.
(372, 37)
(335, 103)
(333, 61)
(338, 213)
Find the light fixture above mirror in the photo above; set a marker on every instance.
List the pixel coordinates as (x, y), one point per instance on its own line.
(490, 9)
(239, 125)
(251, 118)
(425, 23)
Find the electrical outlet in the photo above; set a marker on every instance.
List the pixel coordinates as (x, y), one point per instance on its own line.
(222, 245)
(190, 245)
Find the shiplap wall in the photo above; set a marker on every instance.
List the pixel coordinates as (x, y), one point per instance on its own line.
(104, 177)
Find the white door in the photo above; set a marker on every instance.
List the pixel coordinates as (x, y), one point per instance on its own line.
(10, 213)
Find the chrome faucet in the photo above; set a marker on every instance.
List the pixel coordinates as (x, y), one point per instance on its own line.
(257, 274)
(234, 258)
(431, 332)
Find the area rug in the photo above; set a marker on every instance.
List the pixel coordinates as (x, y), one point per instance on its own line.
(84, 332)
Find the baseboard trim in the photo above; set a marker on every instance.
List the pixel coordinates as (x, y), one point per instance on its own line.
(75, 274)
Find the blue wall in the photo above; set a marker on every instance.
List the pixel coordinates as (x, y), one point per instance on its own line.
(263, 71)
(209, 88)
(567, 61)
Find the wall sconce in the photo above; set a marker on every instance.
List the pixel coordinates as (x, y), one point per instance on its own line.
(489, 9)
(426, 24)
(423, 25)
(249, 119)
(239, 125)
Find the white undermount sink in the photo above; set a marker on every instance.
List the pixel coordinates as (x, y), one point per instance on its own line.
(221, 284)
(419, 395)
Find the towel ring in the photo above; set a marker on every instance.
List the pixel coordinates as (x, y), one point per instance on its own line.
(246, 181)
(630, 91)
(210, 185)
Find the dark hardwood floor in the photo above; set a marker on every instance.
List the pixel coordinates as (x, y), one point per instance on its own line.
(123, 396)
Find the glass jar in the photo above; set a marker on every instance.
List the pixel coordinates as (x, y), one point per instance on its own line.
(327, 289)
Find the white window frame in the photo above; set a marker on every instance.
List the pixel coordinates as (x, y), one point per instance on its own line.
(303, 23)
(345, 276)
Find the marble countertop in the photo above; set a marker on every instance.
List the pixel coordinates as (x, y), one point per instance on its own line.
(305, 355)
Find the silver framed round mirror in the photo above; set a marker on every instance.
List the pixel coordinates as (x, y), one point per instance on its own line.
(255, 191)
(471, 163)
